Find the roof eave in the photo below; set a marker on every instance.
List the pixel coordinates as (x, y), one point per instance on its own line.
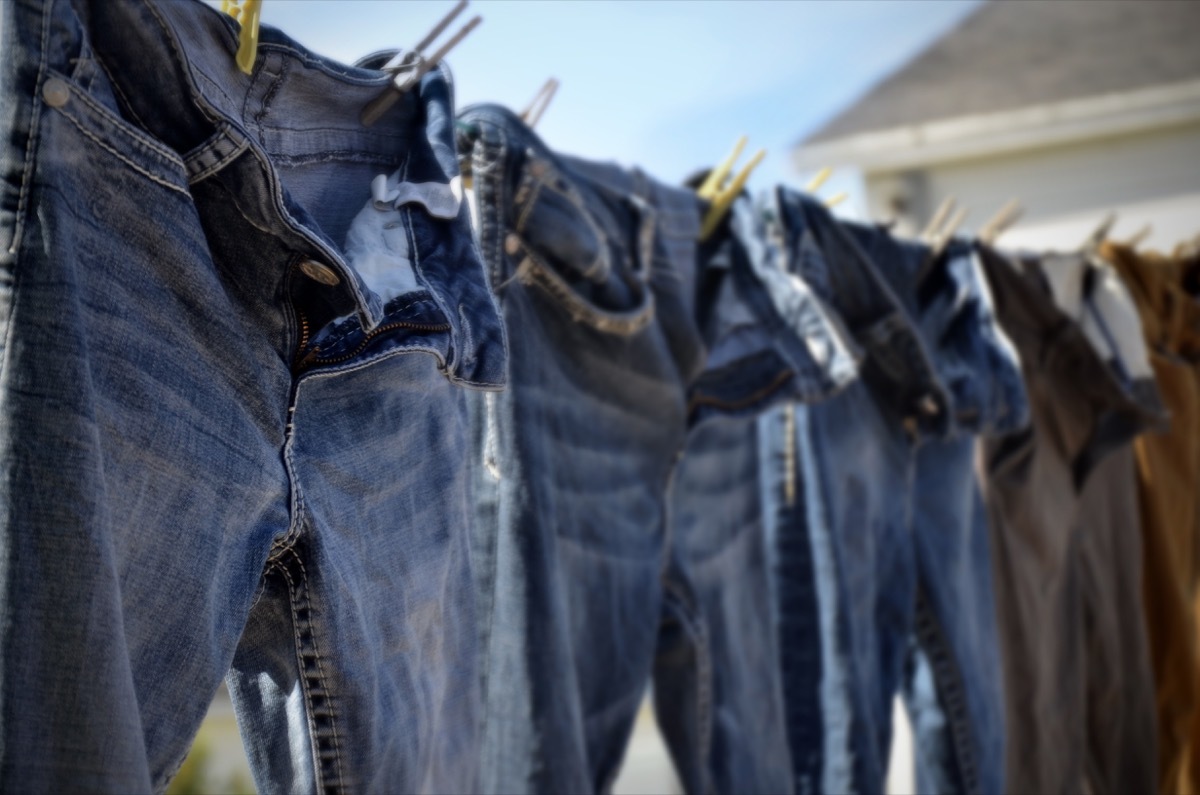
(964, 137)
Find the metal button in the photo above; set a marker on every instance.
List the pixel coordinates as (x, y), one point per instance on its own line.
(56, 92)
(320, 272)
(512, 244)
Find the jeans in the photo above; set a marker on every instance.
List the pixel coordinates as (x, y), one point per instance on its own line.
(591, 576)
(882, 551)
(232, 433)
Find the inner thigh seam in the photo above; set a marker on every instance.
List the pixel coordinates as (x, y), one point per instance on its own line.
(303, 628)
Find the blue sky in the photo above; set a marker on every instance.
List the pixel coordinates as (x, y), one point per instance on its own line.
(668, 85)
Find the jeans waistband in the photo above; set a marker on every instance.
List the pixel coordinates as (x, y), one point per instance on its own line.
(897, 364)
(589, 248)
(168, 70)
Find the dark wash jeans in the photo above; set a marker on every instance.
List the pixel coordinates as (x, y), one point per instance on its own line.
(877, 527)
(619, 345)
(220, 448)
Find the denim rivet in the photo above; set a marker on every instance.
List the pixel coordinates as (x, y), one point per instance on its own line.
(537, 168)
(512, 244)
(319, 272)
(56, 92)
(929, 405)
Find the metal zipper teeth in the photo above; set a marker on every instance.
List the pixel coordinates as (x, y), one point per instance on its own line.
(298, 359)
(312, 360)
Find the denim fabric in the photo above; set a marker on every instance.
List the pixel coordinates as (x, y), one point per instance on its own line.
(213, 450)
(956, 612)
(719, 568)
(884, 566)
(621, 345)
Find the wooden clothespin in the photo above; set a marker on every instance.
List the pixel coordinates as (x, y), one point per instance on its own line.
(944, 235)
(940, 215)
(247, 13)
(723, 198)
(1001, 221)
(1100, 234)
(541, 100)
(1139, 237)
(408, 68)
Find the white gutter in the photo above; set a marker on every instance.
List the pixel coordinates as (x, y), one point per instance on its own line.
(962, 137)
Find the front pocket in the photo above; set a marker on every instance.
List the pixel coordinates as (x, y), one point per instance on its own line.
(587, 247)
(102, 128)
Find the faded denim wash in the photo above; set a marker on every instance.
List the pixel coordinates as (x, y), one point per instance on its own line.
(621, 344)
(879, 531)
(221, 447)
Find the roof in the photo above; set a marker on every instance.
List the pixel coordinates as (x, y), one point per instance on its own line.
(1009, 55)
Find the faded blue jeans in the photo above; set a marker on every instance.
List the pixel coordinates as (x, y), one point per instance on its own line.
(235, 325)
(882, 552)
(591, 577)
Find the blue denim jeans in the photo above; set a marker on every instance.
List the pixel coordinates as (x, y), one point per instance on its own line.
(232, 433)
(879, 533)
(591, 576)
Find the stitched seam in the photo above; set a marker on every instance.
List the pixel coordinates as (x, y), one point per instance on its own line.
(220, 164)
(116, 87)
(31, 144)
(103, 145)
(322, 683)
(532, 270)
(138, 136)
(948, 685)
(774, 386)
(698, 631)
(289, 538)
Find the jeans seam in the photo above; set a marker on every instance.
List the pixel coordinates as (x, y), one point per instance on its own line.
(698, 631)
(929, 635)
(101, 143)
(144, 139)
(533, 271)
(34, 131)
(303, 630)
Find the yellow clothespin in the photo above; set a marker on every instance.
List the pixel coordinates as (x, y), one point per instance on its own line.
(820, 179)
(722, 198)
(537, 106)
(246, 12)
(1002, 220)
(716, 178)
(836, 199)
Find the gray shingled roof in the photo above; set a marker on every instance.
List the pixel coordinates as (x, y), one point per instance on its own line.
(1011, 54)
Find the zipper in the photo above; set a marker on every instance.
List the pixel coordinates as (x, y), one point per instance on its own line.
(312, 359)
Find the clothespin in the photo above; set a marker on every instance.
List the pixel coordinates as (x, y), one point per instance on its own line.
(944, 235)
(716, 178)
(537, 106)
(836, 199)
(939, 217)
(820, 179)
(1002, 220)
(1139, 237)
(1098, 236)
(722, 198)
(408, 68)
(247, 13)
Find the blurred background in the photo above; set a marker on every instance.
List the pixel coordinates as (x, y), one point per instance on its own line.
(1074, 109)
